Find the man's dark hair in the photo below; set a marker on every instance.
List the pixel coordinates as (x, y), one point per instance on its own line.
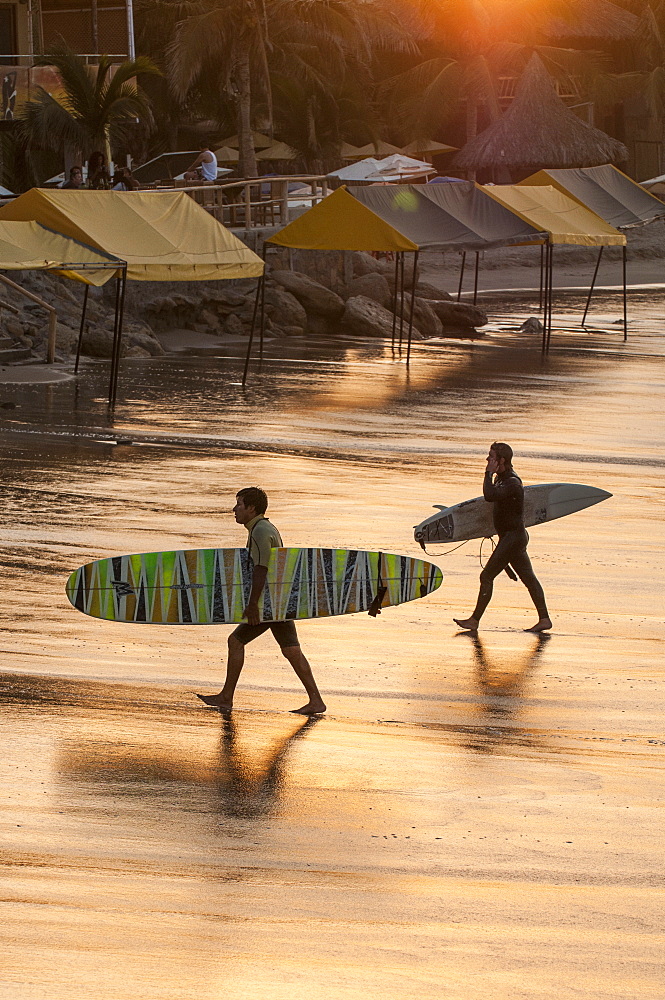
(254, 496)
(75, 169)
(503, 450)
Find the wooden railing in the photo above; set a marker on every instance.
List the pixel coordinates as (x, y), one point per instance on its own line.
(252, 204)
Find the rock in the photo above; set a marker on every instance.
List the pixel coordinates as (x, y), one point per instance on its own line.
(319, 326)
(97, 342)
(146, 341)
(424, 316)
(233, 326)
(210, 319)
(459, 314)
(372, 285)
(134, 351)
(284, 308)
(364, 317)
(14, 326)
(225, 296)
(315, 299)
(531, 325)
(425, 290)
(364, 263)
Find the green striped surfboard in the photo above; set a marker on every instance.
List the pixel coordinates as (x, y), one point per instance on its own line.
(211, 586)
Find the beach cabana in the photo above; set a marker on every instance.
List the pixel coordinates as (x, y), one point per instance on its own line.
(568, 223)
(537, 130)
(27, 246)
(403, 219)
(160, 235)
(609, 193)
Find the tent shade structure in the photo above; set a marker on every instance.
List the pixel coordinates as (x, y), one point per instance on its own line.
(27, 246)
(226, 154)
(447, 216)
(606, 191)
(277, 151)
(538, 130)
(260, 140)
(347, 151)
(388, 169)
(428, 147)
(562, 217)
(376, 149)
(162, 235)
(341, 222)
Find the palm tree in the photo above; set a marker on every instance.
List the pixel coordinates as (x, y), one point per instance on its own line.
(469, 43)
(246, 40)
(98, 106)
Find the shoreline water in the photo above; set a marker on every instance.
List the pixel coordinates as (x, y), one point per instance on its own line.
(471, 817)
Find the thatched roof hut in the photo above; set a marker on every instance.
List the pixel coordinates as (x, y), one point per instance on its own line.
(537, 130)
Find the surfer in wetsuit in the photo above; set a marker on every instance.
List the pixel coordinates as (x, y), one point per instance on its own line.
(250, 508)
(503, 487)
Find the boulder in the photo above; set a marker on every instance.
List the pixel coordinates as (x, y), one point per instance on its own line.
(233, 327)
(134, 351)
(284, 308)
(315, 299)
(372, 285)
(364, 263)
(364, 317)
(459, 314)
(210, 319)
(97, 342)
(531, 325)
(425, 290)
(146, 341)
(225, 296)
(424, 316)
(319, 326)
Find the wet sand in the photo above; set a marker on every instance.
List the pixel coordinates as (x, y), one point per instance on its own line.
(472, 818)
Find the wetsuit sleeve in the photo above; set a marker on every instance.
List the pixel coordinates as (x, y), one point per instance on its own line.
(501, 490)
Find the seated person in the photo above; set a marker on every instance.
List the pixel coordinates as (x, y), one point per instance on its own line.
(204, 167)
(123, 180)
(75, 179)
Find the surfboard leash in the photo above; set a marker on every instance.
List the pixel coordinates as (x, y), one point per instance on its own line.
(509, 571)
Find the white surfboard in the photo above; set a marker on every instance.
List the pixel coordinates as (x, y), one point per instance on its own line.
(473, 518)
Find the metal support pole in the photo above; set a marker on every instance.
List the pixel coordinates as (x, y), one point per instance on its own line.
(461, 276)
(262, 324)
(542, 256)
(117, 336)
(401, 298)
(413, 300)
(251, 329)
(82, 327)
(625, 294)
(395, 299)
(475, 278)
(545, 295)
(591, 287)
(551, 296)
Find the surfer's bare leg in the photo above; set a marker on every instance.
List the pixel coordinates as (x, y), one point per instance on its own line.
(234, 665)
(298, 661)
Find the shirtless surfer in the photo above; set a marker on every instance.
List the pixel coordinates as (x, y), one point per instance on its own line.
(503, 487)
(250, 508)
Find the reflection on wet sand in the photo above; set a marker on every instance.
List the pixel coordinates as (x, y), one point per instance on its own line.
(247, 784)
(502, 681)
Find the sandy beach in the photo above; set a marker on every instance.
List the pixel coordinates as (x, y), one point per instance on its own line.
(473, 818)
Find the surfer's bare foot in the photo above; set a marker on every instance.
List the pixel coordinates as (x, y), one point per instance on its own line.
(469, 624)
(541, 626)
(311, 708)
(216, 701)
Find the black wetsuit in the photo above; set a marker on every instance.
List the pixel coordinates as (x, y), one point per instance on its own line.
(506, 492)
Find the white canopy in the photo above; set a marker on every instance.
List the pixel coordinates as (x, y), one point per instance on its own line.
(390, 168)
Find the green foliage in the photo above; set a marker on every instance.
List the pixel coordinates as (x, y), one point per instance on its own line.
(99, 106)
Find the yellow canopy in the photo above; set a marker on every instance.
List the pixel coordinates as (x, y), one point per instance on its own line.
(564, 218)
(423, 146)
(163, 235)
(341, 222)
(277, 151)
(27, 246)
